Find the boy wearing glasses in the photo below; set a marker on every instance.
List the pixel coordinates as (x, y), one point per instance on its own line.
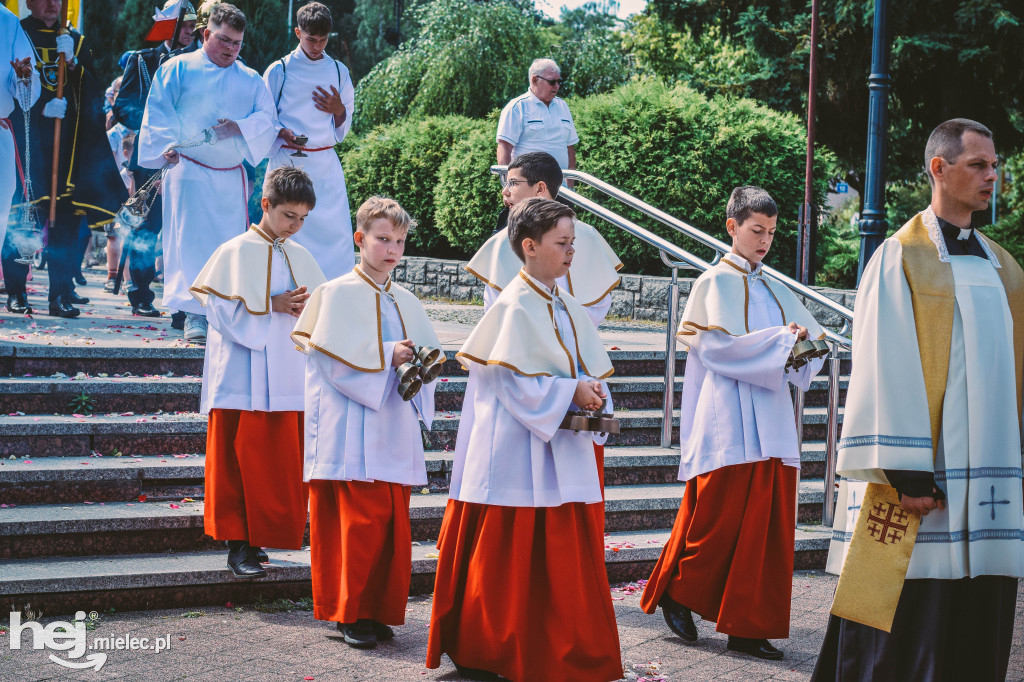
(538, 121)
(314, 98)
(201, 90)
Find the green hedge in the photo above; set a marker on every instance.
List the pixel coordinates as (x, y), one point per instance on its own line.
(669, 146)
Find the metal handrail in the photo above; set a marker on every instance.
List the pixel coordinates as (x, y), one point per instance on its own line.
(675, 258)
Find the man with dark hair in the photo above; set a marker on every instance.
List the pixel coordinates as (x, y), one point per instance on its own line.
(206, 115)
(730, 556)
(314, 99)
(128, 108)
(89, 182)
(932, 432)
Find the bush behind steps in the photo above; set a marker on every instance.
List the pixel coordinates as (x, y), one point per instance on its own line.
(670, 146)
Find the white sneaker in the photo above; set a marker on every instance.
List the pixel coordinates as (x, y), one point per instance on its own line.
(195, 328)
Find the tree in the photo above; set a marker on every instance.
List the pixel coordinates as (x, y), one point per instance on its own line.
(949, 58)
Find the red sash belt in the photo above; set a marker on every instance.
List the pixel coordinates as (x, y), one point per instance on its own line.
(245, 191)
(307, 149)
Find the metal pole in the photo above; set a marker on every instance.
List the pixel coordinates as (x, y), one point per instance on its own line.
(828, 505)
(668, 404)
(290, 6)
(873, 225)
(806, 223)
(798, 414)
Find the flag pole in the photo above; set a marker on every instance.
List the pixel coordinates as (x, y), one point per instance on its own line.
(61, 69)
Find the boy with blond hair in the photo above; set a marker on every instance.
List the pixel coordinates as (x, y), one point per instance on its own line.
(253, 288)
(522, 591)
(363, 444)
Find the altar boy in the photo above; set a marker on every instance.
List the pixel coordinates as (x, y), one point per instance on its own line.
(730, 555)
(253, 288)
(521, 588)
(363, 444)
(314, 98)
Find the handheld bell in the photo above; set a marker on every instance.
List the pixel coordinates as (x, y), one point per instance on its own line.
(803, 351)
(409, 382)
(431, 361)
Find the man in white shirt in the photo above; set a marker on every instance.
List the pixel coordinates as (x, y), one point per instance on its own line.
(206, 192)
(538, 121)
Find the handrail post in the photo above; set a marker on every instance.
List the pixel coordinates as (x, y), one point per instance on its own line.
(670, 359)
(798, 415)
(831, 436)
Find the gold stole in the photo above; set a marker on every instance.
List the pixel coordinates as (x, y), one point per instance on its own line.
(884, 534)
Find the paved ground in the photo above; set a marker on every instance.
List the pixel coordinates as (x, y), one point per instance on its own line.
(261, 642)
(107, 321)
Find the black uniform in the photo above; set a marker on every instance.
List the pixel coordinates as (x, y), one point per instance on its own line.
(89, 185)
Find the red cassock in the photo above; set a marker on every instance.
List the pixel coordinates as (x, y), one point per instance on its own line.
(360, 550)
(254, 488)
(523, 592)
(730, 556)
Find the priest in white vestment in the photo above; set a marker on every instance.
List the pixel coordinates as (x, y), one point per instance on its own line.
(314, 97)
(934, 411)
(205, 192)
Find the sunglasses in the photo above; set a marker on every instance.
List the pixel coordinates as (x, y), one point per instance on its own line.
(552, 81)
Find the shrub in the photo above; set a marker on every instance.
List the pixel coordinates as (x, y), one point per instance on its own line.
(467, 58)
(404, 162)
(669, 146)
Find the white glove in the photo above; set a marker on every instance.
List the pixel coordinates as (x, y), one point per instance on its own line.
(66, 45)
(55, 108)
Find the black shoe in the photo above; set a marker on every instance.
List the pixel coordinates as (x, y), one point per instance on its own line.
(61, 307)
(679, 618)
(108, 286)
(242, 560)
(476, 673)
(358, 635)
(145, 310)
(261, 556)
(382, 632)
(18, 304)
(758, 648)
(178, 320)
(80, 280)
(77, 300)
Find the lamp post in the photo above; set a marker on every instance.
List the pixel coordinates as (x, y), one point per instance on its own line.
(873, 225)
(807, 212)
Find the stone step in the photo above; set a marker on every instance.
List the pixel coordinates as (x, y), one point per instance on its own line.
(64, 480)
(83, 393)
(58, 585)
(96, 528)
(130, 433)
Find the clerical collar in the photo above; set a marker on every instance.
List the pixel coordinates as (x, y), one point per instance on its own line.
(951, 231)
(742, 264)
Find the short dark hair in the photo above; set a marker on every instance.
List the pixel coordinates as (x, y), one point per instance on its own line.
(532, 219)
(537, 166)
(226, 14)
(315, 19)
(289, 185)
(747, 200)
(947, 141)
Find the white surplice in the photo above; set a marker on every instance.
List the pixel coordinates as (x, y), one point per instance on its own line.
(736, 406)
(510, 451)
(251, 362)
(292, 80)
(18, 47)
(886, 423)
(203, 207)
(357, 426)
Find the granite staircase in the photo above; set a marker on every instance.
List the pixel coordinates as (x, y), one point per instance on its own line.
(101, 481)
